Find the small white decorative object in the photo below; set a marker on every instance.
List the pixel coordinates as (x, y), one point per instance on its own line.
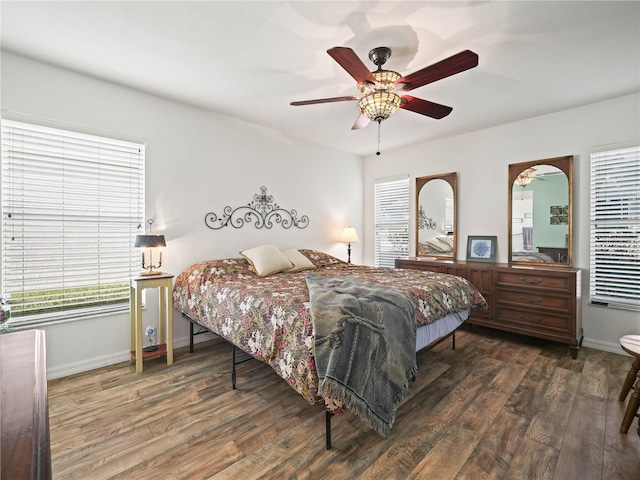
(150, 339)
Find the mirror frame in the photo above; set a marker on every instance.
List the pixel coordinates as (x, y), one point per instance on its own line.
(451, 179)
(565, 164)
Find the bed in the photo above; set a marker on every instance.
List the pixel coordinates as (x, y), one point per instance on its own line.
(269, 317)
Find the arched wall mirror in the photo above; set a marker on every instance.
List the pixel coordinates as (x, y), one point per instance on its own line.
(436, 216)
(541, 212)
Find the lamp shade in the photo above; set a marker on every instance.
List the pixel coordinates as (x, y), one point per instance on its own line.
(149, 241)
(349, 235)
(379, 105)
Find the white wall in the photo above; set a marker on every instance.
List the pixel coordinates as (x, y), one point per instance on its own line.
(481, 159)
(196, 162)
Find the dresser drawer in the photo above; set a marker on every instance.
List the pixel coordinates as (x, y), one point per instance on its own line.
(533, 300)
(520, 279)
(538, 321)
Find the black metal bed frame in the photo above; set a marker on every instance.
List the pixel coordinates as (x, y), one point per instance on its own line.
(245, 357)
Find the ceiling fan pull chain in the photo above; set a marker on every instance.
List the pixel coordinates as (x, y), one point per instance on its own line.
(379, 124)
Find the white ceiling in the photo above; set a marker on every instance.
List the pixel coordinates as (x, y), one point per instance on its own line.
(250, 59)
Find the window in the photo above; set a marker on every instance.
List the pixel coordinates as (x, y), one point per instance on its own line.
(391, 234)
(448, 214)
(71, 207)
(615, 228)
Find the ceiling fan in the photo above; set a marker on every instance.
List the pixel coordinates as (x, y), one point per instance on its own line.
(528, 175)
(379, 89)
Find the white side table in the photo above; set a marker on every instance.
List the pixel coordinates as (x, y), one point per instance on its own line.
(164, 283)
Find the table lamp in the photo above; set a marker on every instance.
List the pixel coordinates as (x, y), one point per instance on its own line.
(349, 236)
(150, 242)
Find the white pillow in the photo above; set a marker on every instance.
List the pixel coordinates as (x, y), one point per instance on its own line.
(446, 240)
(300, 262)
(438, 247)
(267, 259)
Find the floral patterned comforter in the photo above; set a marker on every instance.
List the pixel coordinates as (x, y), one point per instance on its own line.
(268, 317)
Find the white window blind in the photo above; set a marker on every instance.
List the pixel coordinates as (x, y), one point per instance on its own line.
(71, 207)
(448, 214)
(391, 235)
(615, 228)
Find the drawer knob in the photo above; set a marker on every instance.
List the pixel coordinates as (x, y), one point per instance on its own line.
(535, 281)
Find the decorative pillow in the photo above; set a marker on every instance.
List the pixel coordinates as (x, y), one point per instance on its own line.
(438, 247)
(300, 262)
(447, 241)
(424, 249)
(321, 259)
(267, 259)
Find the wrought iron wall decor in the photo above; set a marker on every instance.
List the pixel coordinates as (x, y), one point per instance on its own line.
(424, 221)
(262, 208)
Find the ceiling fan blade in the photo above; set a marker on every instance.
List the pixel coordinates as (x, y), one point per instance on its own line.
(352, 64)
(361, 122)
(325, 100)
(445, 68)
(424, 107)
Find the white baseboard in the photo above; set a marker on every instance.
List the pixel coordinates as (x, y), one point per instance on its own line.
(604, 346)
(88, 364)
(111, 359)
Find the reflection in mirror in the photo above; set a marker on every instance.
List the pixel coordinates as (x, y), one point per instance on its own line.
(436, 216)
(540, 212)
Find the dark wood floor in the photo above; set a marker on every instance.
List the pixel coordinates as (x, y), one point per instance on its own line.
(498, 407)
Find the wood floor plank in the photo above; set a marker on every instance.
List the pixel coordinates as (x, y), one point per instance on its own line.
(595, 374)
(467, 431)
(435, 424)
(533, 460)
(209, 455)
(527, 397)
(164, 445)
(621, 467)
(60, 389)
(266, 433)
(621, 457)
(224, 408)
(272, 457)
(549, 424)
(72, 455)
(499, 406)
(582, 452)
(494, 452)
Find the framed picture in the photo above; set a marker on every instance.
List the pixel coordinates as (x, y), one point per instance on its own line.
(559, 215)
(481, 248)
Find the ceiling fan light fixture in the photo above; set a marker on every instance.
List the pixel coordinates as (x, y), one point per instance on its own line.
(523, 180)
(379, 105)
(525, 177)
(385, 80)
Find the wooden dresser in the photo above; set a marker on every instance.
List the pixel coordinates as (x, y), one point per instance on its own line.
(24, 416)
(539, 301)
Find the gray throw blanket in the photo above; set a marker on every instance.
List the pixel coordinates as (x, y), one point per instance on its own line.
(365, 345)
